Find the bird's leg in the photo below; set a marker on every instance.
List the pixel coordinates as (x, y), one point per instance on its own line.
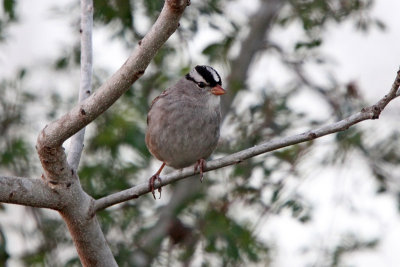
(153, 178)
(200, 165)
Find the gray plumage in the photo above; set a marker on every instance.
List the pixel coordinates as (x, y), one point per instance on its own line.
(184, 121)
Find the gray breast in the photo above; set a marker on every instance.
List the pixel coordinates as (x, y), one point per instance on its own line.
(188, 129)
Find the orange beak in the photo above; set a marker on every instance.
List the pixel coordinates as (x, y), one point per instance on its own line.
(218, 90)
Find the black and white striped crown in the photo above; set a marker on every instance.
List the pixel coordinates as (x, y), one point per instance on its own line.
(204, 74)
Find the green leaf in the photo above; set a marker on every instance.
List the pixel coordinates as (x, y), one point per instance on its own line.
(9, 8)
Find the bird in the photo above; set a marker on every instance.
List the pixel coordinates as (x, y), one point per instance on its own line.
(183, 122)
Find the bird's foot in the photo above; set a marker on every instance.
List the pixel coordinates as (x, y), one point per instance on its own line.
(200, 165)
(151, 184)
(153, 178)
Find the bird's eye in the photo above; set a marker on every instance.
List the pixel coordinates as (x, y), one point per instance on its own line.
(201, 84)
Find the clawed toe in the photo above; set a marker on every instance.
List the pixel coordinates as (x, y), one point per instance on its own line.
(200, 165)
(153, 179)
(151, 184)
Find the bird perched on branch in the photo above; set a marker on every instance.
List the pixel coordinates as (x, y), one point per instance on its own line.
(183, 122)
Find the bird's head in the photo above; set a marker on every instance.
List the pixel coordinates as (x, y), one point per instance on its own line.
(206, 78)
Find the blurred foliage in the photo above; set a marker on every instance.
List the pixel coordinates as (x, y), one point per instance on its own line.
(8, 16)
(3, 249)
(351, 243)
(15, 150)
(115, 156)
(235, 244)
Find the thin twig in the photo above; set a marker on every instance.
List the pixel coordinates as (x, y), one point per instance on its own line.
(368, 113)
(76, 145)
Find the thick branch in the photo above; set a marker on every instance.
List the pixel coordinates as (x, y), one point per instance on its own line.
(76, 145)
(53, 135)
(85, 230)
(78, 211)
(28, 192)
(369, 113)
(80, 116)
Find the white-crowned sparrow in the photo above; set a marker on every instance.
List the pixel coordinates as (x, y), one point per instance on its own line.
(183, 121)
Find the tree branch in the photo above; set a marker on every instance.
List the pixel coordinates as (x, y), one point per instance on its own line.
(368, 113)
(53, 135)
(259, 28)
(78, 210)
(28, 192)
(76, 145)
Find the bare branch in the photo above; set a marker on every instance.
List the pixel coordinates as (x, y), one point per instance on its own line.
(259, 28)
(29, 192)
(76, 145)
(78, 211)
(60, 130)
(368, 113)
(85, 230)
(53, 135)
